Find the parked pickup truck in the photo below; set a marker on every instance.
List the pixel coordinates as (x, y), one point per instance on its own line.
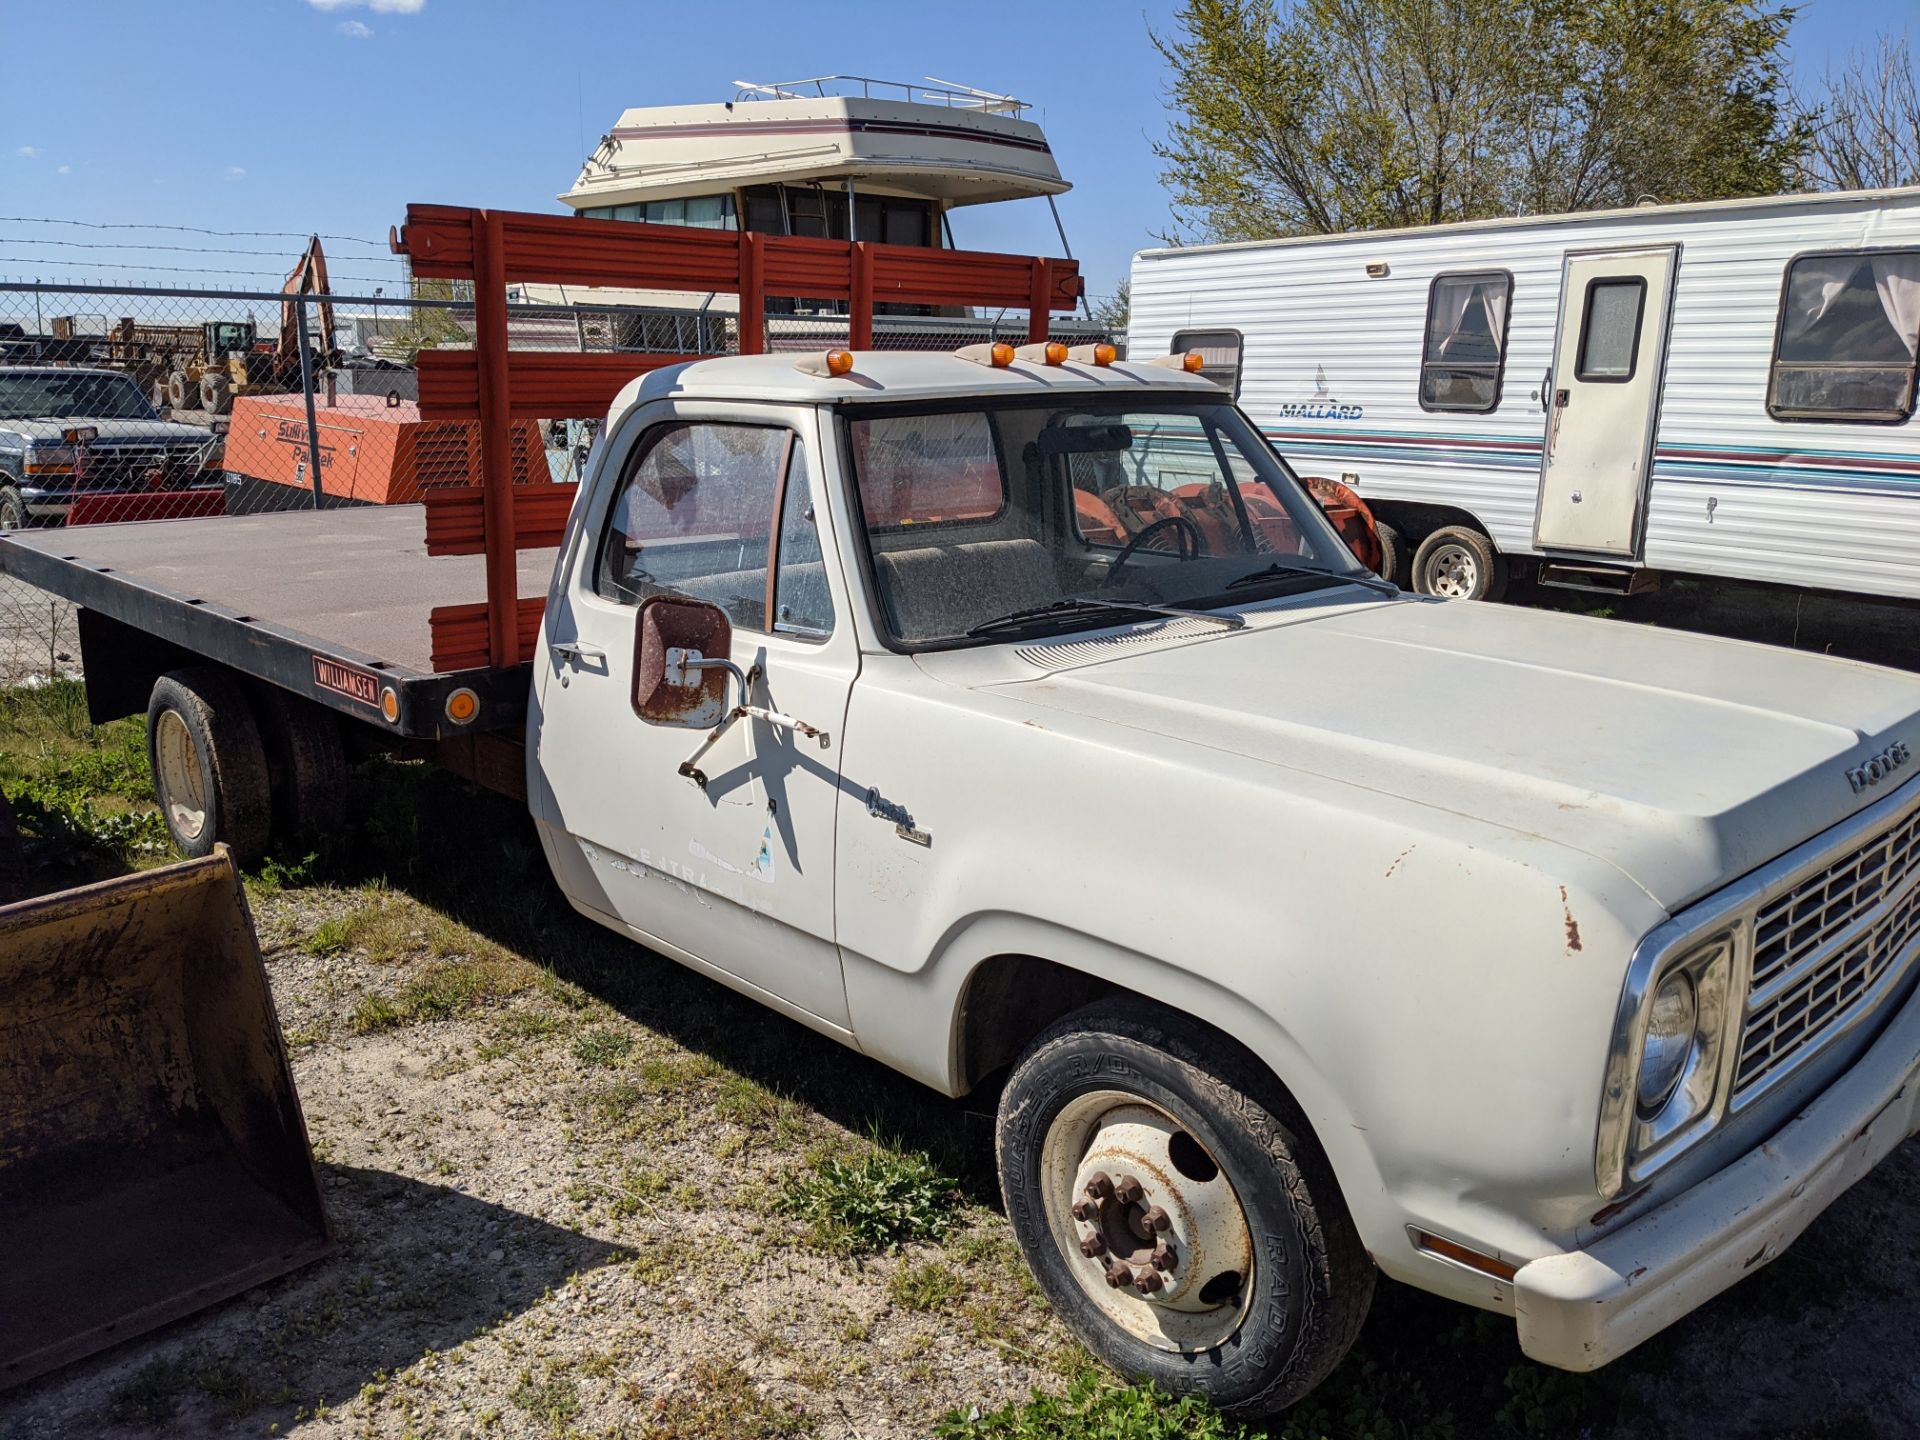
(1010, 715)
(70, 434)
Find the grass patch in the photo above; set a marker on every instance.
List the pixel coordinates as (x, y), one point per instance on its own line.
(879, 1201)
(554, 1399)
(1095, 1408)
(930, 1285)
(725, 1406)
(79, 790)
(602, 1047)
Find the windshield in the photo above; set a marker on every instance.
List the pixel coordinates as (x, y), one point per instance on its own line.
(71, 395)
(986, 522)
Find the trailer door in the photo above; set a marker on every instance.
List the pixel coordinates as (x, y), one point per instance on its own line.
(1603, 399)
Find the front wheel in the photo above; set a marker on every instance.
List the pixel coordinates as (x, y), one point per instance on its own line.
(13, 509)
(1176, 1210)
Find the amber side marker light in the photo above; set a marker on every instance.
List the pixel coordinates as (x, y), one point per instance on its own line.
(1453, 1251)
(390, 705)
(462, 706)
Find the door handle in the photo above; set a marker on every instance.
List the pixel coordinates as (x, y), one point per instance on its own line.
(578, 651)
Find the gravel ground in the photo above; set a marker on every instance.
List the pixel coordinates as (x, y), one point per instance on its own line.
(37, 635)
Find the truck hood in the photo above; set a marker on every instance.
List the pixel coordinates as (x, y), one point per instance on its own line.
(112, 432)
(1681, 759)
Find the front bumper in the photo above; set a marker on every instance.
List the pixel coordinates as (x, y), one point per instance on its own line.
(1582, 1309)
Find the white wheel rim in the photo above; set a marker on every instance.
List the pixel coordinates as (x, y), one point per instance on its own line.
(1201, 1251)
(183, 793)
(1454, 572)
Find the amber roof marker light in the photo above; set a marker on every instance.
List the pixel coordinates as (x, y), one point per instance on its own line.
(1043, 352)
(1100, 353)
(1191, 361)
(833, 365)
(999, 354)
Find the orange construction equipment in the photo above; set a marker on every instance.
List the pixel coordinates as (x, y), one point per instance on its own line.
(373, 451)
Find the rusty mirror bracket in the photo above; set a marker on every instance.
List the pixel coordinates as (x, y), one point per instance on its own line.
(666, 689)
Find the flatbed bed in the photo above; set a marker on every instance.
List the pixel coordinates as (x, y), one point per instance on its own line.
(329, 604)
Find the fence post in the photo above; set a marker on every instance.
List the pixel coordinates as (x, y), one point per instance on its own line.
(1039, 302)
(496, 438)
(306, 388)
(753, 294)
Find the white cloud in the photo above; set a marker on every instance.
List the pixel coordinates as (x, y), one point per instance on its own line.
(379, 7)
(236, 172)
(354, 30)
(64, 170)
(29, 152)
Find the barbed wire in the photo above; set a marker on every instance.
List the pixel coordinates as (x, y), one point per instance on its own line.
(185, 270)
(190, 230)
(128, 245)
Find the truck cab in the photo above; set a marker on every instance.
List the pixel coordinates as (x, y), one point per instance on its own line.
(1023, 709)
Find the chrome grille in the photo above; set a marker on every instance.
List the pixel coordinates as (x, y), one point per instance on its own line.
(1823, 946)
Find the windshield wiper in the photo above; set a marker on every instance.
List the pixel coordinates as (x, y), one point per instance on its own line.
(1307, 579)
(1087, 607)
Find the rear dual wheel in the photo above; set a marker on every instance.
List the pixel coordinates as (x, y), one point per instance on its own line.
(241, 769)
(1177, 1211)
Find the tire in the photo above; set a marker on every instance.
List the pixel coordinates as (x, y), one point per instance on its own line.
(306, 766)
(1125, 1077)
(1457, 562)
(215, 392)
(1393, 553)
(13, 509)
(209, 766)
(182, 393)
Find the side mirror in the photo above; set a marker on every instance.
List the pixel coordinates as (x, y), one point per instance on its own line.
(1351, 517)
(681, 660)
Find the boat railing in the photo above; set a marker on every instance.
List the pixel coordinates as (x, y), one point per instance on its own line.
(928, 91)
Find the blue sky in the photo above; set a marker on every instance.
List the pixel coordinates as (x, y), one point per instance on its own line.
(330, 115)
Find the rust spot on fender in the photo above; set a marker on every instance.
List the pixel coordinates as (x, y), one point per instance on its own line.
(1573, 925)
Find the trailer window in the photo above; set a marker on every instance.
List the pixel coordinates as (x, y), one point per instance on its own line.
(1847, 338)
(1220, 349)
(1466, 341)
(694, 516)
(1610, 330)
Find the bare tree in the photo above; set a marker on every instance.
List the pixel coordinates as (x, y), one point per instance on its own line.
(1865, 125)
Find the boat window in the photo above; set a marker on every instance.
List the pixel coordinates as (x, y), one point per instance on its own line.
(704, 212)
(1220, 349)
(1846, 342)
(694, 517)
(1466, 341)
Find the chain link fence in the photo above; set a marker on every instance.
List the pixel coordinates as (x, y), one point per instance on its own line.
(123, 404)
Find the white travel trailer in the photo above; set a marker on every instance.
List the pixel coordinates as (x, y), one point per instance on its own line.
(1719, 389)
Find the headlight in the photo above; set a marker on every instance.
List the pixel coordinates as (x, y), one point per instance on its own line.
(1667, 1076)
(1671, 1033)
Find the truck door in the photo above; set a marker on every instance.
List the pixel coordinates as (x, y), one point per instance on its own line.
(735, 877)
(1603, 400)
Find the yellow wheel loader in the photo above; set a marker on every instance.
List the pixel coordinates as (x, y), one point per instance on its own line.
(153, 1157)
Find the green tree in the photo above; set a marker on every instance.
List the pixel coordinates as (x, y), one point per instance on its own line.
(1328, 115)
(1113, 312)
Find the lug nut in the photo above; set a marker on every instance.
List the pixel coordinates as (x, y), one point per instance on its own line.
(1127, 1190)
(1147, 1282)
(1156, 1218)
(1092, 1245)
(1163, 1257)
(1084, 1210)
(1119, 1274)
(1099, 1187)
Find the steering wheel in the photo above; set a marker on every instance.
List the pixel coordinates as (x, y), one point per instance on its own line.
(1187, 546)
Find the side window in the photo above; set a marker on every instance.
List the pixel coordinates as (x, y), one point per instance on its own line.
(928, 470)
(1466, 341)
(802, 604)
(1220, 349)
(694, 516)
(1610, 331)
(1849, 329)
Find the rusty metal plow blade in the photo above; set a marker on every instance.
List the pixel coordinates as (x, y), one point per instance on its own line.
(153, 1158)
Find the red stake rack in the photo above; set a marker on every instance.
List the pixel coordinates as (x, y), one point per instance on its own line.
(494, 386)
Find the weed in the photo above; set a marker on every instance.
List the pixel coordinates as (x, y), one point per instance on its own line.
(330, 937)
(602, 1046)
(930, 1285)
(725, 1406)
(1094, 1409)
(373, 1013)
(879, 1201)
(554, 1399)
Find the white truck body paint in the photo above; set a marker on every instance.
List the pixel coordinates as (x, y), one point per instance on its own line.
(1330, 370)
(1408, 853)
